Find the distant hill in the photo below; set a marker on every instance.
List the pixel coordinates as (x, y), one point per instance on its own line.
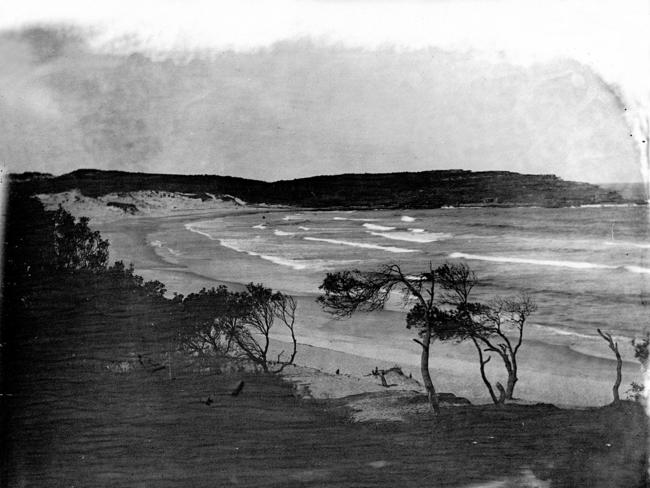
(427, 189)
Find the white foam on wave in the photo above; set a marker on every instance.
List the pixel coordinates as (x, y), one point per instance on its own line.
(627, 244)
(191, 228)
(294, 264)
(377, 227)
(311, 264)
(303, 228)
(156, 243)
(540, 262)
(417, 231)
(410, 237)
(259, 226)
(361, 244)
(298, 265)
(293, 217)
(637, 269)
(356, 220)
(283, 233)
(563, 332)
(608, 205)
(406, 218)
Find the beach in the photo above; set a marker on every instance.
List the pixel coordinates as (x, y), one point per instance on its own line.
(563, 374)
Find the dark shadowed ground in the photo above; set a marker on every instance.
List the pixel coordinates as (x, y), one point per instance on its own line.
(88, 408)
(89, 400)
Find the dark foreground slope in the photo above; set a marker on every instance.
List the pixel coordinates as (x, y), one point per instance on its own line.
(427, 189)
(89, 400)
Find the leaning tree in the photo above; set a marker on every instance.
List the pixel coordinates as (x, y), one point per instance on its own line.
(496, 327)
(239, 324)
(264, 309)
(347, 292)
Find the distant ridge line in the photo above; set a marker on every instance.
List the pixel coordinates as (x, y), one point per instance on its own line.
(424, 189)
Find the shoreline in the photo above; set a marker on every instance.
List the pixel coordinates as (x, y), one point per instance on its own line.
(549, 373)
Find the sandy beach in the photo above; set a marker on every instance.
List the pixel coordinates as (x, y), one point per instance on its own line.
(549, 373)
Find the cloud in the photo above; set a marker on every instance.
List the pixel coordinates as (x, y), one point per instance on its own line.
(302, 108)
(298, 87)
(604, 34)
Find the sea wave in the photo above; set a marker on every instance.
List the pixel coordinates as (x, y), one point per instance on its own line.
(406, 218)
(293, 217)
(540, 262)
(283, 233)
(417, 231)
(259, 226)
(563, 332)
(627, 244)
(637, 269)
(156, 243)
(303, 228)
(191, 228)
(296, 264)
(422, 237)
(572, 333)
(377, 227)
(361, 244)
(609, 205)
(549, 262)
(356, 220)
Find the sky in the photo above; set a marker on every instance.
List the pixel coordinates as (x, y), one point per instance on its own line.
(288, 88)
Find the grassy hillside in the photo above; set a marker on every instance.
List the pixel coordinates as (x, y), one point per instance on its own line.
(429, 189)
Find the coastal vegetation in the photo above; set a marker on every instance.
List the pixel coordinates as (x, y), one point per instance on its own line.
(440, 309)
(89, 398)
(426, 189)
(642, 354)
(239, 324)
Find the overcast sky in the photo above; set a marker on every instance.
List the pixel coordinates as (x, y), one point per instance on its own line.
(285, 89)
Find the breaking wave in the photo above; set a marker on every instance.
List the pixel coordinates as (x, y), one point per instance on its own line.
(422, 237)
(548, 262)
(294, 264)
(361, 244)
(628, 244)
(540, 262)
(191, 228)
(406, 218)
(174, 252)
(356, 220)
(637, 269)
(259, 226)
(377, 227)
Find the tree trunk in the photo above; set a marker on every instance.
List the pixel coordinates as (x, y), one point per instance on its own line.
(617, 383)
(512, 379)
(488, 385)
(510, 386)
(619, 363)
(426, 377)
(502, 394)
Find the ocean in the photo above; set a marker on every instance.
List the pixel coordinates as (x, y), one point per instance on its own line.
(585, 267)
